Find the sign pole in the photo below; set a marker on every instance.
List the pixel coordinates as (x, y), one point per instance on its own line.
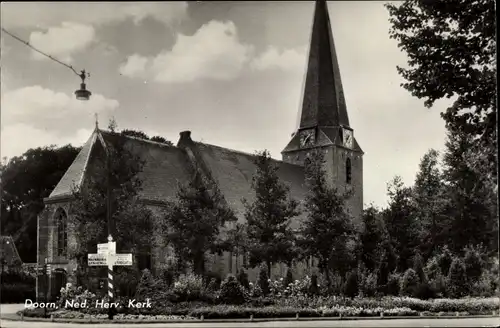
(110, 276)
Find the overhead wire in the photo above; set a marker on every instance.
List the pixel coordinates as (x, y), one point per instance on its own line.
(41, 52)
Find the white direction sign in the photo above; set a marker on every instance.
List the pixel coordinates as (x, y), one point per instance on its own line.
(123, 259)
(97, 259)
(105, 248)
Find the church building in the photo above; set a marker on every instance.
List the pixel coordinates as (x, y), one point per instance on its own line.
(324, 125)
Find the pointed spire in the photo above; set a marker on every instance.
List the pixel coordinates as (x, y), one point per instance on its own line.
(324, 102)
(96, 121)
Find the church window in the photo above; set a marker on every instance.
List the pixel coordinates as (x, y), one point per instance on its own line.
(62, 232)
(348, 173)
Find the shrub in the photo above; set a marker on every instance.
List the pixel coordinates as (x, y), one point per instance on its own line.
(351, 288)
(418, 266)
(231, 291)
(393, 287)
(424, 291)
(263, 280)
(151, 287)
(313, 287)
(369, 287)
(438, 285)
(289, 278)
(409, 282)
(432, 268)
(473, 264)
(457, 279)
(188, 287)
(243, 279)
(445, 258)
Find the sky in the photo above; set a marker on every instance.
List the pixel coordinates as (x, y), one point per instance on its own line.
(230, 72)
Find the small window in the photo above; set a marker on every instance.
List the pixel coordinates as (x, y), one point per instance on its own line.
(348, 172)
(62, 233)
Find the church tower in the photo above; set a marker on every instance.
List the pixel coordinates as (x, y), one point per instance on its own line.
(324, 123)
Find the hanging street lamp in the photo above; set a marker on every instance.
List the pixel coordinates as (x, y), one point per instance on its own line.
(81, 94)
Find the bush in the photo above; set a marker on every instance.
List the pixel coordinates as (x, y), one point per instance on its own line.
(473, 264)
(263, 280)
(369, 286)
(424, 291)
(313, 287)
(445, 258)
(432, 268)
(231, 291)
(243, 279)
(418, 266)
(457, 279)
(188, 287)
(438, 285)
(288, 278)
(393, 286)
(409, 283)
(351, 288)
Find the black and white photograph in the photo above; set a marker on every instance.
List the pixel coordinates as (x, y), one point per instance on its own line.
(278, 164)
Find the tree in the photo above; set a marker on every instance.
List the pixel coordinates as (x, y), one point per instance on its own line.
(112, 125)
(26, 181)
(371, 238)
(328, 227)
(118, 174)
(195, 222)
(430, 201)
(270, 238)
(400, 221)
(471, 207)
(451, 47)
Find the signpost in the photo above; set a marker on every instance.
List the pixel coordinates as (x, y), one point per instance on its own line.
(106, 255)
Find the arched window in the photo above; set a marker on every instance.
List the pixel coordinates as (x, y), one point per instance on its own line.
(61, 221)
(348, 173)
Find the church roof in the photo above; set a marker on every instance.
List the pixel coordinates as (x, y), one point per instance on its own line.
(165, 166)
(323, 103)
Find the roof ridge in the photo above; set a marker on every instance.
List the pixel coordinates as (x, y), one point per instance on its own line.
(161, 144)
(241, 152)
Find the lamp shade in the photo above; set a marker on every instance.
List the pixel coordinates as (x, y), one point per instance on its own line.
(83, 93)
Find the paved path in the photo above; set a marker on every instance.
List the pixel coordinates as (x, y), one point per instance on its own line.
(463, 322)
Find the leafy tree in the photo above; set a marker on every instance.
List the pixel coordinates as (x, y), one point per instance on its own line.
(371, 238)
(270, 238)
(112, 178)
(451, 47)
(112, 125)
(400, 221)
(328, 227)
(471, 207)
(26, 181)
(195, 222)
(409, 282)
(430, 203)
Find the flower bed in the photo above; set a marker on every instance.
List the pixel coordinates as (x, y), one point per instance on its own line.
(319, 307)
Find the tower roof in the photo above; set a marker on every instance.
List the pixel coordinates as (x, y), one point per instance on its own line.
(324, 102)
